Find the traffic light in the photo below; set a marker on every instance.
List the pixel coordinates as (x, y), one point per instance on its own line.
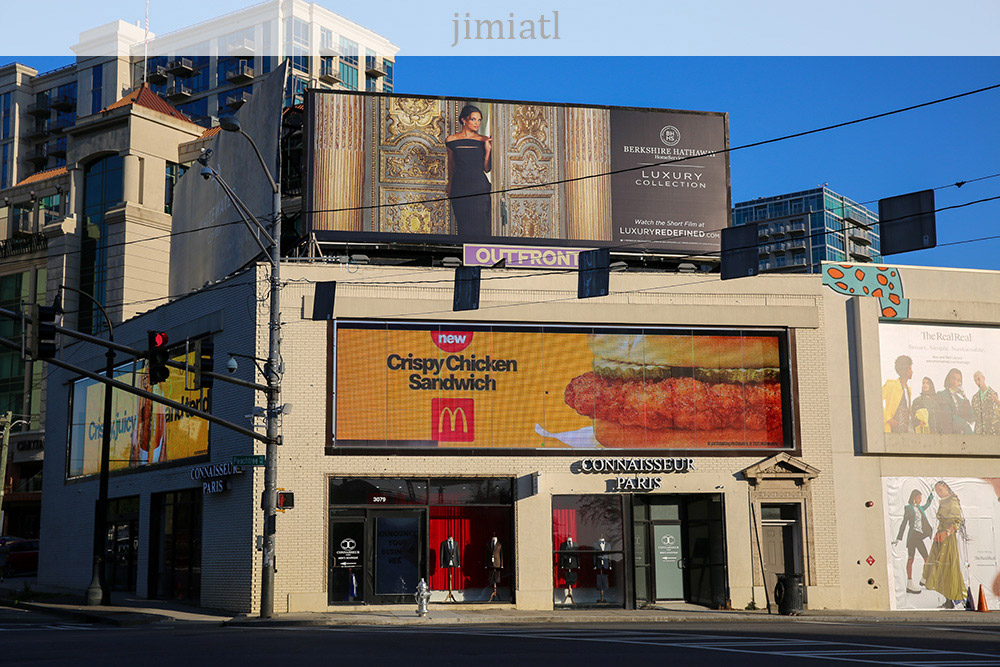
(43, 331)
(739, 252)
(156, 355)
(204, 362)
(466, 296)
(594, 277)
(286, 500)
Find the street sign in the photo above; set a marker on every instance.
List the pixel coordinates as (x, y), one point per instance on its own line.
(251, 460)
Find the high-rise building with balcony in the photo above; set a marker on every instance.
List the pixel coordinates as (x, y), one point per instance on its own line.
(800, 230)
(89, 155)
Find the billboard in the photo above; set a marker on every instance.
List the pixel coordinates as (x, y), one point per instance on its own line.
(937, 379)
(519, 387)
(208, 241)
(143, 432)
(942, 538)
(392, 168)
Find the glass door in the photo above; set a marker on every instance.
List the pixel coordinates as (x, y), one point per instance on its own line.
(641, 559)
(398, 554)
(669, 563)
(705, 550)
(347, 561)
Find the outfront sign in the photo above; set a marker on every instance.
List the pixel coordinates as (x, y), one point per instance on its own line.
(521, 256)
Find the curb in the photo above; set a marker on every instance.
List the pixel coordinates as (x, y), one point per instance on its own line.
(119, 619)
(549, 620)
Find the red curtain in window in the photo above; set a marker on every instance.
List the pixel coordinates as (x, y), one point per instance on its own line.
(563, 526)
(472, 529)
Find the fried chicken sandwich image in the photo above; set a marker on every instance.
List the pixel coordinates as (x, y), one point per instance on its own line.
(681, 391)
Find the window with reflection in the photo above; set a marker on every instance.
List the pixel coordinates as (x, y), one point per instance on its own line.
(587, 549)
(102, 191)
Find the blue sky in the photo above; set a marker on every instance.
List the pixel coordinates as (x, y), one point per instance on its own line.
(765, 97)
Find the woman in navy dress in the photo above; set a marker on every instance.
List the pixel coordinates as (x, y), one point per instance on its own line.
(469, 159)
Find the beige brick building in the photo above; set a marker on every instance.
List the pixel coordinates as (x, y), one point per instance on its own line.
(371, 518)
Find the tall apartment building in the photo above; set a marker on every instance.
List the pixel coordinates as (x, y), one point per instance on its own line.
(89, 154)
(800, 230)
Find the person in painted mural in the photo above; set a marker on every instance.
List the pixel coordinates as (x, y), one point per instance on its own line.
(469, 160)
(927, 409)
(955, 408)
(985, 407)
(943, 567)
(915, 519)
(896, 398)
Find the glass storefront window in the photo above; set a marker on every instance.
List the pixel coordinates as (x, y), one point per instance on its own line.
(587, 548)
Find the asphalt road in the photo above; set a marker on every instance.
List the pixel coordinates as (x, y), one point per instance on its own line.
(27, 640)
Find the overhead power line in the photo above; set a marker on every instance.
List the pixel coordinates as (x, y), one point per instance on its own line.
(721, 151)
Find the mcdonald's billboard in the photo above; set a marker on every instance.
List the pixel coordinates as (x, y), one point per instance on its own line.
(431, 385)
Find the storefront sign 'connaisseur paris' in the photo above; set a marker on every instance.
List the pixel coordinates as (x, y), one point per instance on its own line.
(635, 465)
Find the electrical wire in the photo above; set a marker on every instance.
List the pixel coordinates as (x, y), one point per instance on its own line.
(721, 151)
(573, 271)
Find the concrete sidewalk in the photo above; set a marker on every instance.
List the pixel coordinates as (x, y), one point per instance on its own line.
(128, 609)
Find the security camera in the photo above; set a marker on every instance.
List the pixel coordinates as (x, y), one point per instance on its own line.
(206, 173)
(231, 365)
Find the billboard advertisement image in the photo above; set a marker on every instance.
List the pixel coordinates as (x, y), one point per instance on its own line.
(942, 538)
(143, 432)
(475, 386)
(940, 379)
(420, 169)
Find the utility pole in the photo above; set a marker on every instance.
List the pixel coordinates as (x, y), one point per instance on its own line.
(272, 367)
(98, 592)
(5, 420)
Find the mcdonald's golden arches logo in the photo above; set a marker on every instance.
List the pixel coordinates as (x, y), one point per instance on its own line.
(453, 419)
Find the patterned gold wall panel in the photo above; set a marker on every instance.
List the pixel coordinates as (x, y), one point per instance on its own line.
(587, 152)
(408, 138)
(338, 163)
(527, 138)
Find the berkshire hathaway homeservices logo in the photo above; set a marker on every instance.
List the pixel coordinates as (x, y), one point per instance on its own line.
(452, 341)
(453, 419)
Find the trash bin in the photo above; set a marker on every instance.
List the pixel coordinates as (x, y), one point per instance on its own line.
(789, 593)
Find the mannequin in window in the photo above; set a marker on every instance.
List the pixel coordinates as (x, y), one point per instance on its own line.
(494, 563)
(451, 558)
(569, 563)
(451, 555)
(602, 564)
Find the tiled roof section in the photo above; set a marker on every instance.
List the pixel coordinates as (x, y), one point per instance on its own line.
(145, 97)
(44, 175)
(210, 132)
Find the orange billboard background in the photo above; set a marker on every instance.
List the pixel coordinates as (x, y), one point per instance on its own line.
(429, 385)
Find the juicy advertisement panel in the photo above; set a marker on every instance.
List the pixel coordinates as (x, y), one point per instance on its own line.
(142, 432)
(519, 387)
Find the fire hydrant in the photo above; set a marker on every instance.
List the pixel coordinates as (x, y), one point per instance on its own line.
(422, 596)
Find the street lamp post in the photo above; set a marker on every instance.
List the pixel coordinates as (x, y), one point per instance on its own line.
(272, 370)
(98, 592)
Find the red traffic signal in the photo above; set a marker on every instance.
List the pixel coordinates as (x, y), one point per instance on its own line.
(157, 355)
